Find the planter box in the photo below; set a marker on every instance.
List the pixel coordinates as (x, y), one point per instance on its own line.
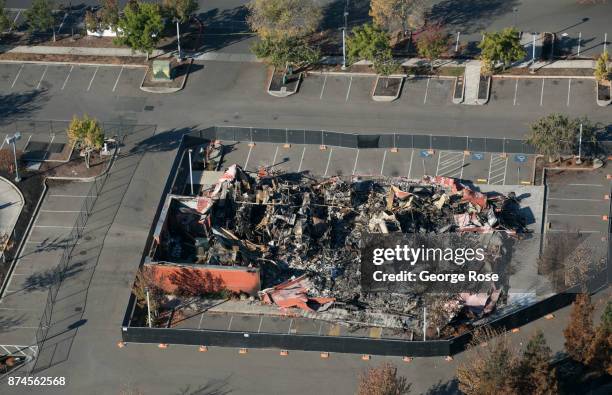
(484, 89)
(603, 93)
(277, 88)
(387, 89)
(459, 90)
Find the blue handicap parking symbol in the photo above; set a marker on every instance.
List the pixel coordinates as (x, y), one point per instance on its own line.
(520, 158)
(477, 156)
(425, 153)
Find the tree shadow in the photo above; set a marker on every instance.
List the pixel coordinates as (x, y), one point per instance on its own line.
(163, 141)
(450, 387)
(8, 323)
(47, 278)
(19, 104)
(469, 16)
(214, 387)
(333, 14)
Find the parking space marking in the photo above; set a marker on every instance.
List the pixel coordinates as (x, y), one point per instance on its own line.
(119, 76)
(72, 196)
(200, 323)
(60, 211)
(42, 77)
(355, 165)
(17, 76)
(290, 325)
(575, 199)
(92, 78)
(515, 92)
(497, 169)
(302, 159)
(578, 231)
(382, 167)
(542, 93)
(348, 92)
(328, 160)
(569, 90)
(448, 164)
(67, 77)
(275, 154)
(230, 323)
(585, 185)
(247, 158)
(56, 226)
(410, 167)
(575, 215)
(323, 87)
(426, 90)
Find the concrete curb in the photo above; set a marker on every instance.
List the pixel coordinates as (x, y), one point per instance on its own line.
(72, 63)
(28, 229)
(281, 93)
(22, 205)
(387, 98)
(349, 74)
(459, 100)
(164, 90)
(603, 103)
(88, 179)
(539, 77)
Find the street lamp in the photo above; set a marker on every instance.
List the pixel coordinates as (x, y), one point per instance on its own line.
(148, 306)
(12, 140)
(346, 5)
(178, 38)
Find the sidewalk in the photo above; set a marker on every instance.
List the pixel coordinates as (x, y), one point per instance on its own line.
(240, 57)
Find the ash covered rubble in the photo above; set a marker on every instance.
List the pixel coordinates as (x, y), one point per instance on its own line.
(305, 235)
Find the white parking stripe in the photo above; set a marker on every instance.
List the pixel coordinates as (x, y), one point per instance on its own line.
(542, 92)
(569, 90)
(575, 215)
(72, 196)
(17, 76)
(585, 185)
(302, 159)
(323, 87)
(92, 78)
(410, 167)
(426, 90)
(247, 158)
(60, 211)
(42, 77)
(328, 160)
(57, 226)
(578, 231)
(382, 167)
(576, 199)
(67, 77)
(355, 165)
(275, 154)
(349, 89)
(119, 76)
(515, 92)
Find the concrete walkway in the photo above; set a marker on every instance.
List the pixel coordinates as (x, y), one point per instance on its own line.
(242, 57)
(472, 80)
(11, 204)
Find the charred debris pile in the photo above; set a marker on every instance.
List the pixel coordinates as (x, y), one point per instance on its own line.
(304, 233)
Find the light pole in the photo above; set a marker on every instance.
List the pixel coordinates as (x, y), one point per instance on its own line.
(12, 140)
(346, 5)
(148, 306)
(178, 38)
(579, 161)
(190, 171)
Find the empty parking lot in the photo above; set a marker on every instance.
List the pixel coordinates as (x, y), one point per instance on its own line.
(478, 167)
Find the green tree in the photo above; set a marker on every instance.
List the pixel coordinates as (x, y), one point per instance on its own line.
(382, 380)
(5, 22)
(39, 16)
(602, 71)
(278, 18)
(504, 47)
(140, 27)
(579, 331)
(557, 134)
(535, 374)
(86, 135)
(431, 44)
(367, 42)
(398, 14)
(286, 51)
